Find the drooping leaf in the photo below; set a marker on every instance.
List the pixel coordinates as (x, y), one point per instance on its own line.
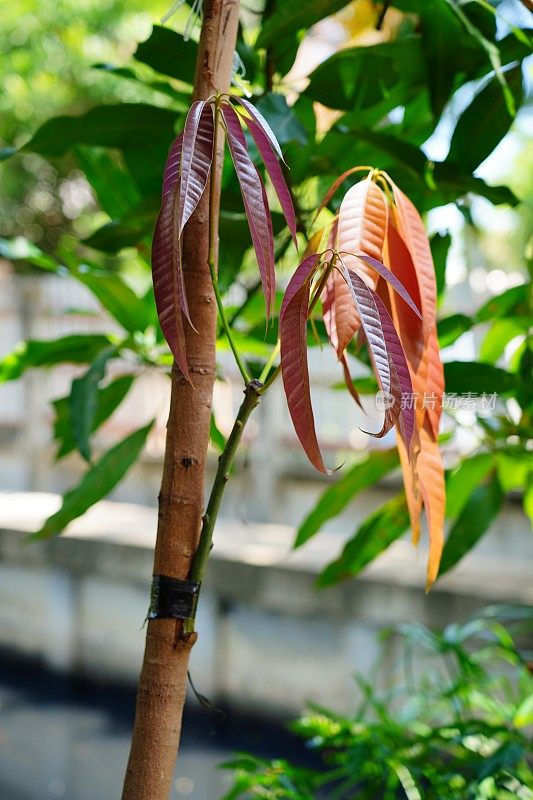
(339, 494)
(376, 533)
(173, 165)
(362, 225)
(473, 521)
(96, 483)
(273, 168)
(260, 120)
(168, 52)
(254, 203)
(294, 369)
(167, 275)
(393, 281)
(440, 246)
(433, 491)
(72, 349)
(484, 123)
(122, 126)
(108, 398)
(442, 31)
(196, 158)
(83, 401)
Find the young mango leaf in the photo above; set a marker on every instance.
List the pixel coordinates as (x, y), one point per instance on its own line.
(108, 398)
(196, 158)
(270, 160)
(97, 482)
(172, 171)
(167, 276)
(294, 370)
(260, 120)
(474, 520)
(83, 395)
(72, 349)
(338, 495)
(376, 533)
(362, 227)
(433, 491)
(254, 204)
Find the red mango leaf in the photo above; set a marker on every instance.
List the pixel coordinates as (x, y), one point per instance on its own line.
(349, 383)
(412, 492)
(172, 171)
(196, 158)
(294, 367)
(433, 490)
(167, 277)
(261, 121)
(393, 281)
(336, 184)
(435, 383)
(255, 204)
(398, 366)
(270, 160)
(364, 300)
(363, 219)
(339, 312)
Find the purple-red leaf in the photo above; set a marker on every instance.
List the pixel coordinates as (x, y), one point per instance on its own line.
(168, 280)
(196, 158)
(255, 204)
(173, 165)
(270, 160)
(395, 282)
(261, 121)
(294, 368)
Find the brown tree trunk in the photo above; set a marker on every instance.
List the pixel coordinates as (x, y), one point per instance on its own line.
(163, 680)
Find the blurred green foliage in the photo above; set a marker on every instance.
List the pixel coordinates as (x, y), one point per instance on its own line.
(454, 723)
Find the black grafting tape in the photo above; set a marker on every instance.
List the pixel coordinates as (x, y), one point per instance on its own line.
(172, 598)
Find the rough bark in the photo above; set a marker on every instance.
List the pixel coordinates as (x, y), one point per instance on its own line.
(163, 680)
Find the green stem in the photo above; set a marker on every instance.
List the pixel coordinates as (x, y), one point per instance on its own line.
(268, 366)
(213, 237)
(225, 461)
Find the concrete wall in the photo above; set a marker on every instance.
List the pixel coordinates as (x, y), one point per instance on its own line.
(268, 640)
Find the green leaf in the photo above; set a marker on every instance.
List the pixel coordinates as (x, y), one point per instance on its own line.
(114, 188)
(73, 349)
(474, 520)
(21, 249)
(169, 53)
(484, 123)
(283, 121)
(108, 398)
(462, 377)
(117, 298)
(514, 301)
(451, 328)
(291, 15)
(498, 337)
(125, 125)
(218, 440)
(440, 246)
(360, 77)
(83, 395)
(376, 533)
(514, 465)
(524, 713)
(97, 482)
(339, 494)
(128, 230)
(528, 498)
(463, 479)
